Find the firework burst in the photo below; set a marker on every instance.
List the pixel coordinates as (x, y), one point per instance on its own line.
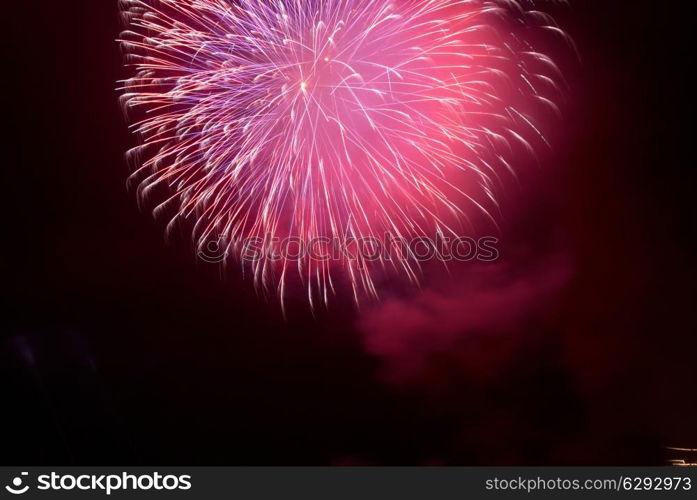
(331, 120)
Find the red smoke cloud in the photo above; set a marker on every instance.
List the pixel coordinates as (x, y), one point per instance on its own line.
(474, 324)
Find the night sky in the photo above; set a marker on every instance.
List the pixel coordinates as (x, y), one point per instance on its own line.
(578, 347)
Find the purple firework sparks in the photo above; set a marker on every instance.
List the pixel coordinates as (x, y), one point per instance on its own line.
(320, 120)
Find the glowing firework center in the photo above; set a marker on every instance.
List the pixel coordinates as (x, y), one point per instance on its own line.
(331, 119)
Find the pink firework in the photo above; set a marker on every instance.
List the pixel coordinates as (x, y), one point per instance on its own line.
(331, 120)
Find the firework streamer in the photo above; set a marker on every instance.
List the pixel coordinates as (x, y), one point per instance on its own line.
(331, 120)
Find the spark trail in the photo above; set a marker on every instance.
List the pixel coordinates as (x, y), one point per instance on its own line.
(319, 120)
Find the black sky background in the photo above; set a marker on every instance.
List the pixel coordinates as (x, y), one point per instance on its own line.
(118, 348)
